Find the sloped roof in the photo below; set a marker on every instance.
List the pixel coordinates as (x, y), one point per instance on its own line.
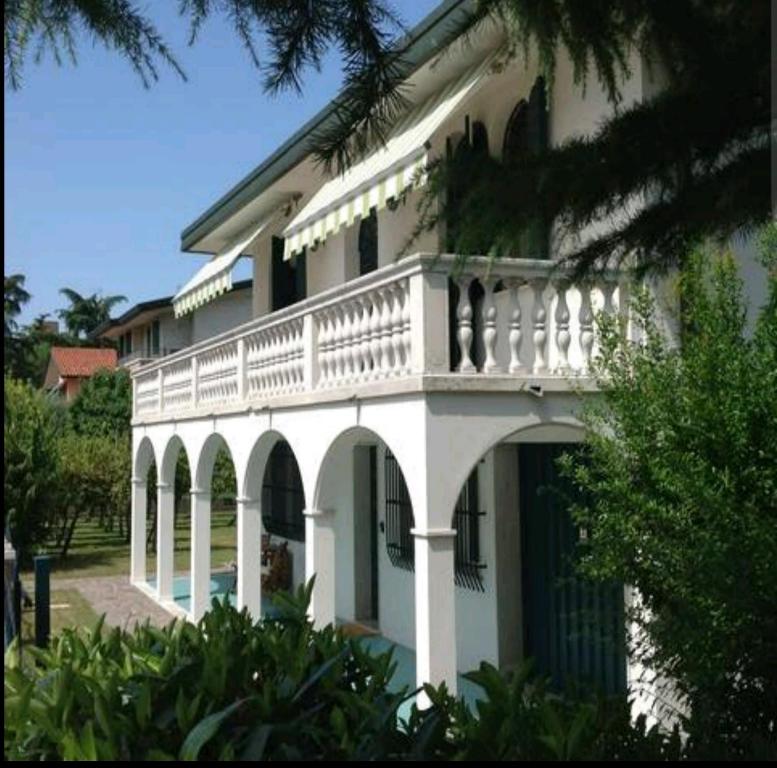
(82, 361)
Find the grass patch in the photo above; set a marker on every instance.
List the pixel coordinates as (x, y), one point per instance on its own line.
(97, 552)
(69, 608)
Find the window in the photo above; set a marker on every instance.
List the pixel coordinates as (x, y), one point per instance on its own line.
(155, 337)
(399, 516)
(283, 499)
(289, 277)
(368, 243)
(466, 521)
(526, 133)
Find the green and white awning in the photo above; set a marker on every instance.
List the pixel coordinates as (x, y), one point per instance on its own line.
(215, 277)
(385, 174)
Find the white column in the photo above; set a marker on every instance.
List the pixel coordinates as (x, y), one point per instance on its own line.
(200, 552)
(320, 562)
(165, 540)
(138, 532)
(249, 556)
(435, 609)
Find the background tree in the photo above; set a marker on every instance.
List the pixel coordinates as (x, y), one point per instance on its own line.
(14, 298)
(85, 313)
(103, 405)
(30, 427)
(691, 162)
(679, 489)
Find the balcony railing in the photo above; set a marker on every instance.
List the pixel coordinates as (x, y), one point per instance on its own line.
(501, 319)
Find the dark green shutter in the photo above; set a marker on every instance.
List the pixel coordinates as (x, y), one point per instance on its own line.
(573, 628)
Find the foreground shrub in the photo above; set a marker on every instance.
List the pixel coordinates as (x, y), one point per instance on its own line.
(229, 689)
(677, 487)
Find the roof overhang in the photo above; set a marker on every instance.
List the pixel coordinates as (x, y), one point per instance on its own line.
(206, 234)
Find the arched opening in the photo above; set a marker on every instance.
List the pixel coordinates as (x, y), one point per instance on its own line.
(527, 134)
(273, 544)
(142, 522)
(171, 561)
(213, 526)
(573, 629)
(361, 488)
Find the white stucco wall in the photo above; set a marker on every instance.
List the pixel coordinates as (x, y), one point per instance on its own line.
(225, 312)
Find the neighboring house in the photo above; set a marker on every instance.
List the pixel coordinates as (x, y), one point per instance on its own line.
(393, 419)
(151, 329)
(70, 366)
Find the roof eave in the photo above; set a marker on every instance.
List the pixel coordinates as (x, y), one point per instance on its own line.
(426, 39)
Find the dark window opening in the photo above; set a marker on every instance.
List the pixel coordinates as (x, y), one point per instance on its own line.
(155, 338)
(527, 133)
(289, 277)
(368, 243)
(283, 499)
(466, 521)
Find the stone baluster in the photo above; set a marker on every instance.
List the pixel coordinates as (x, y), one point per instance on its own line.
(464, 326)
(364, 337)
(516, 333)
(385, 331)
(586, 319)
(563, 337)
(354, 322)
(490, 364)
(327, 371)
(301, 353)
(396, 328)
(375, 349)
(539, 317)
(337, 345)
(285, 364)
(407, 329)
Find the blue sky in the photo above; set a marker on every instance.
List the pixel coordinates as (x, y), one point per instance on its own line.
(102, 175)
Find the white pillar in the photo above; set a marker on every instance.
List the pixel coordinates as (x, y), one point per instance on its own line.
(435, 608)
(165, 540)
(138, 532)
(320, 562)
(249, 556)
(200, 550)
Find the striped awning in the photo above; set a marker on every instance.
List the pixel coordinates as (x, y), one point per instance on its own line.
(385, 174)
(215, 277)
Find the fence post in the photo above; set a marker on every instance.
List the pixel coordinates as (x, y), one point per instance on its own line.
(42, 564)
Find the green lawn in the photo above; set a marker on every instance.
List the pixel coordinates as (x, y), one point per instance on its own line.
(96, 552)
(68, 609)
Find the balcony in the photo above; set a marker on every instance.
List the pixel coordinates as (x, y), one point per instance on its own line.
(422, 323)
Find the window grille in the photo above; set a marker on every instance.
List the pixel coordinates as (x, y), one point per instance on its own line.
(466, 521)
(283, 499)
(399, 516)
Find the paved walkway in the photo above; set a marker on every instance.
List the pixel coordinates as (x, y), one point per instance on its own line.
(123, 605)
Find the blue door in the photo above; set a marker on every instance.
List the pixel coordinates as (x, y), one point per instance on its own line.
(574, 629)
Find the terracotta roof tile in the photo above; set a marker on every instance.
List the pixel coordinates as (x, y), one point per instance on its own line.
(82, 361)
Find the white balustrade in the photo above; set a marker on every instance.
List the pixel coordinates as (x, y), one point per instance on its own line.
(533, 321)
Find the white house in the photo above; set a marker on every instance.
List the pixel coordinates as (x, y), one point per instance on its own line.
(393, 419)
(153, 329)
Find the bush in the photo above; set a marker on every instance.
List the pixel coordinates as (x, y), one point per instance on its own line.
(30, 425)
(94, 482)
(679, 489)
(103, 405)
(229, 689)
